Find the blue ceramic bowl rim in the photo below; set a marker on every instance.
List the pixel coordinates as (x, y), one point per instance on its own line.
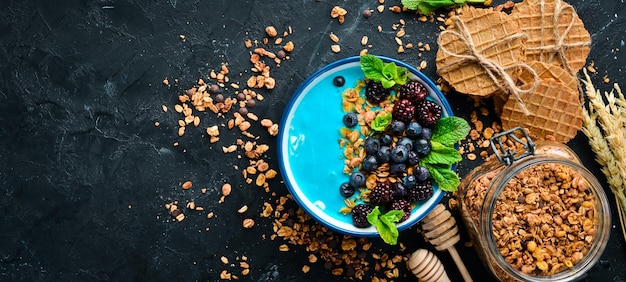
(283, 130)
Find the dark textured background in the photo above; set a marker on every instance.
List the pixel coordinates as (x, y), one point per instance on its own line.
(85, 173)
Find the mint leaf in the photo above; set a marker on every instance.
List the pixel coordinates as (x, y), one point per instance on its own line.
(380, 122)
(386, 224)
(372, 67)
(389, 71)
(387, 83)
(373, 217)
(441, 154)
(402, 75)
(450, 130)
(446, 133)
(388, 74)
(447, 180)
(391, 217)
(427, 6)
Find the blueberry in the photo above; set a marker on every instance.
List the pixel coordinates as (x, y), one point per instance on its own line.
(384, 154)
(427, 133)
(406, 142)
(399, 154)
(397, 127)
(409, 181)
(371, 145)
(413, 129)
(421, 173)
(346, 190)
(397, 168)
(385, 139)
(399, 190)
(339, 81)
(422, 147)
(412, 159)
(357, 179)
(370, 163)
(350, 119)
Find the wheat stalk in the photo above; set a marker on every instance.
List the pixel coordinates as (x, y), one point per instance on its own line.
(610, 121)
(604, 156)
(608, 142)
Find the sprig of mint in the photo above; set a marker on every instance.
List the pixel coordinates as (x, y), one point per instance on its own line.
(446, 133)
(380, 122)
(450, 130)
(388, 74)
(442, 154)
(386, 224)
(442, 174)
(427, 6)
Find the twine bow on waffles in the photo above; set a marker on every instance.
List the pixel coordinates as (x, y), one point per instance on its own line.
(526, 61)
(481, 54)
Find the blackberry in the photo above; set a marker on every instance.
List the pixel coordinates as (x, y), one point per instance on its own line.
(413, 91)
(359, 215)
(403, 110)
(375, 92)
(382, 194)
(402, 205)
(421, 191)
(428, 113)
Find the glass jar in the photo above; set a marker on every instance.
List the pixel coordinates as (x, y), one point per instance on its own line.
(534, 214)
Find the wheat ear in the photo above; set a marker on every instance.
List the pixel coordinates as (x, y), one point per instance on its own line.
(604, 157)
(621, 101)
(611, 126)
(605, 149)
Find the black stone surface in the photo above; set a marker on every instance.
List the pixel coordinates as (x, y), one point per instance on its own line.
(85, 173)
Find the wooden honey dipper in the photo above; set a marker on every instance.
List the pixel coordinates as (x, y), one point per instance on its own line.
(427, 267)
(443, 233)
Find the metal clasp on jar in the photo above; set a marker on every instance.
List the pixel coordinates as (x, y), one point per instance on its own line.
(504, 153)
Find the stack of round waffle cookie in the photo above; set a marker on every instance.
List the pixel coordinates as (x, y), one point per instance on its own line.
(526, 61)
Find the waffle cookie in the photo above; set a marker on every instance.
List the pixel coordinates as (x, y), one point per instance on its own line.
(554, 111)
(478, 41)
(556, 35)
(543, 71)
